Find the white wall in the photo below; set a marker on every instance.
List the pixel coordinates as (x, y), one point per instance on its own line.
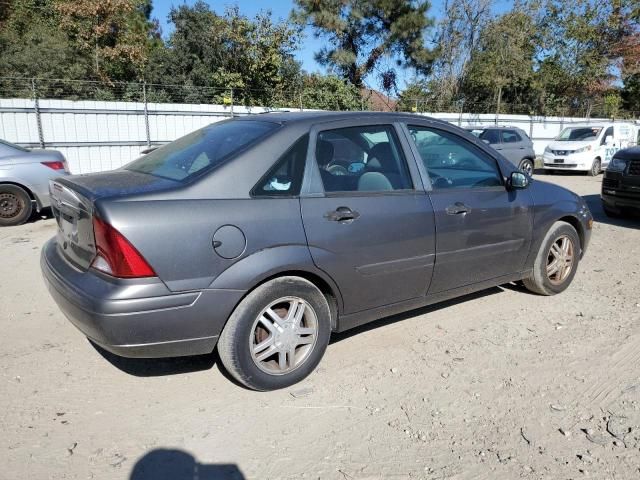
(96, 136)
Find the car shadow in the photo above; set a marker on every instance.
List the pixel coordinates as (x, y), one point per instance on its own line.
(383, 322)
(44, 214)
(171, 464)
(158, 367)
(595, 205)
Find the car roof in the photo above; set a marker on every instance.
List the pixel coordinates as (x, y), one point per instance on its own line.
(293, 117)
(492, 127)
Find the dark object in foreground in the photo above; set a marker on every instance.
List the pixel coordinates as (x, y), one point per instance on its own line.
(621, 184)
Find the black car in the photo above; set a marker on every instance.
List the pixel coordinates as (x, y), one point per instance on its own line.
(621, 183)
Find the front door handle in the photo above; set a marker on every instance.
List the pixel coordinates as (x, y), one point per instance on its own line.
(457, 208)
(341, 214)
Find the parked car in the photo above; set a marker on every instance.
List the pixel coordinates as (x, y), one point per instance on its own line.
(264, 234)
(513, 143)
(621, 183)
(588, 148)
(24, 181)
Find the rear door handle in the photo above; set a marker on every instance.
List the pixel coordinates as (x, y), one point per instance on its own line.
(341, 214)
(457, 208)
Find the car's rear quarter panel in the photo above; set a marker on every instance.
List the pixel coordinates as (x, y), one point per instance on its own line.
(176, 236)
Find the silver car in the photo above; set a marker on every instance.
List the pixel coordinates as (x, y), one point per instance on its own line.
(512, 142)
(24, 181)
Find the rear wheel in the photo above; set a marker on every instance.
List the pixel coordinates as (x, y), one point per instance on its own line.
(557, 261)
(595, 168)
(277, 335)
(15, 205)
(526, 165)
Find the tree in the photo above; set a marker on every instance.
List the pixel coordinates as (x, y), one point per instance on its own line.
(360, 33)
(329, 92)
(502, 67)
(457, 37)
(254, 57)
(117, 34)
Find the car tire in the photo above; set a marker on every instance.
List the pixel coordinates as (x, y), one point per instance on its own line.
(526, 165)
(252, 325)
(548, 278)
(15, 205)
(596, 168)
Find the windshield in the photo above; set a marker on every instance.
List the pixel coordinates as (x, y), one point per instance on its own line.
(578, 134)
(201, 150)
(7, 145)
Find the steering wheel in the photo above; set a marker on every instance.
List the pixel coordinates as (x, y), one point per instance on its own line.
(337, 169)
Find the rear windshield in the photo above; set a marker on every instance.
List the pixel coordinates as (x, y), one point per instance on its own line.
(201, 150)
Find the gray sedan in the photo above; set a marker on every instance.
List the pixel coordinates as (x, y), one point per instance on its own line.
(24, 181)
(264, 234)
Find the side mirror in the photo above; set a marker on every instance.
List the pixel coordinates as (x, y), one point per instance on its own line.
(486, 141)
(608, 140)
(517, 181)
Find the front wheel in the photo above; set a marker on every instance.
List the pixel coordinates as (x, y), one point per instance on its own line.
(596, 168)
(15, 206)
(556, 262)
(277, 335)
(526, 165)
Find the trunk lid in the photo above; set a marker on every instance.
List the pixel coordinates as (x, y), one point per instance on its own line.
(73, 201)
(74, 214)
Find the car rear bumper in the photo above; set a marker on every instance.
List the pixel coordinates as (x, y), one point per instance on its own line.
(137, 318)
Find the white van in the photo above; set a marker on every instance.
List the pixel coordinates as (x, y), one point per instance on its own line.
(589, 148)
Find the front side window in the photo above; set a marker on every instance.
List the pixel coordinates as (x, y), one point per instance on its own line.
(201, 150)
(608, 133)
(491, 136)
(451, 162)
(285, 177)
(361, 159)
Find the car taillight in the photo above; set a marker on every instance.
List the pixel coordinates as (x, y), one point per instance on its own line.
(115, 256)
(57, 165)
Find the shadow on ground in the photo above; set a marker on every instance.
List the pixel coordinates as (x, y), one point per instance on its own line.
(383, 322)
(630, 220)
(157, 367)
(169, 464)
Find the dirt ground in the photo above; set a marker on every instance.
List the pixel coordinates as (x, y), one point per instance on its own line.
(502, 384)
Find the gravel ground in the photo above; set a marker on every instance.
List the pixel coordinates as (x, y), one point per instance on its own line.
(502, 384)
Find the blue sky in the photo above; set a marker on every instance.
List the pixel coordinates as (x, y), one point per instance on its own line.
(280, 10)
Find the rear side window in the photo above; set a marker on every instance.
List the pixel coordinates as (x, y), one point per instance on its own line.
(361, 159)
(285, 177)
(510, 136)
(201, 150)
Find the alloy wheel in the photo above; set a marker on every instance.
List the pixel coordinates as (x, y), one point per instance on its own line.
(283, 336)
(560, 260)
(527, 167)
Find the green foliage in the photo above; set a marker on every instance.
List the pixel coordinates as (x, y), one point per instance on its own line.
(330, 93)
(360, 33)
(254, 57)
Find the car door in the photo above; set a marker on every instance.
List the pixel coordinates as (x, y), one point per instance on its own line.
(483, 229)
(368, 220)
